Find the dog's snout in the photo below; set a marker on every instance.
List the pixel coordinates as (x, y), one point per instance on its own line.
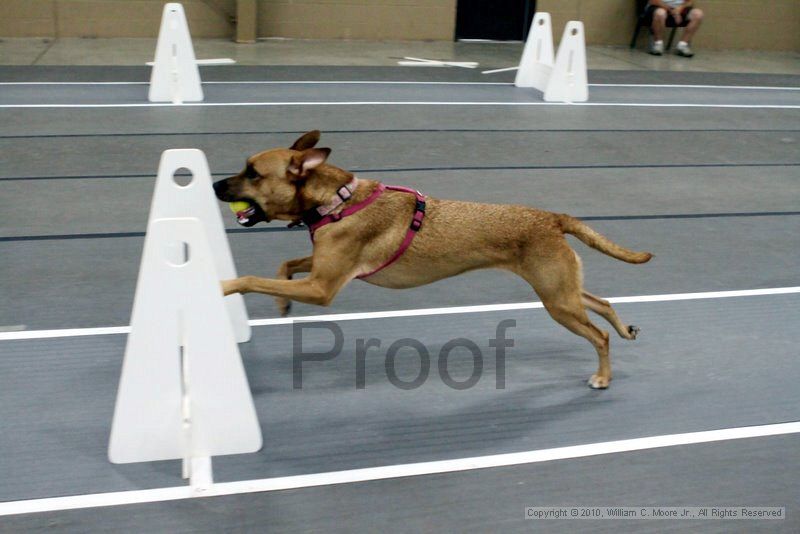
(221, 190)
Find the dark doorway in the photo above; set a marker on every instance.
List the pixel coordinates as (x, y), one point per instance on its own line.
(498, 20)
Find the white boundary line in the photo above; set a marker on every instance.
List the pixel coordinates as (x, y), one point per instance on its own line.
(400, 82)
(399, 103)
(392, 471)
(275, 82)
(690, 86)
(113, 330)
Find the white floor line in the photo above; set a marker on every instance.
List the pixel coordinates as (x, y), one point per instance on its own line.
(690, 86)
(400, 82)
(275, 82)
(79, 332)
(400, 103)
(387, 472)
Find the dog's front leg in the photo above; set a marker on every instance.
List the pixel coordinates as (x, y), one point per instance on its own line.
(333, 264)
(330, 271)
(305, 290)
(229, 287)
(285, 272)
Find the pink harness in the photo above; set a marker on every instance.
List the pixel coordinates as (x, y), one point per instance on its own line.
(345, 193)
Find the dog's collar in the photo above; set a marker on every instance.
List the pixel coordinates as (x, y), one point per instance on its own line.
(343, 194)
(315, 215)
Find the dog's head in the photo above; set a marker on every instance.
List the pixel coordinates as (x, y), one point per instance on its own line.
(282, 183)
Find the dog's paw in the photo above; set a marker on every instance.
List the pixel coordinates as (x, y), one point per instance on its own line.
(633, 331)
(284, 306)
(229, 287)
(599, 382)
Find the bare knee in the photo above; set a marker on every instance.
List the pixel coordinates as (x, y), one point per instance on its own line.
(660, 14)
(696, 14)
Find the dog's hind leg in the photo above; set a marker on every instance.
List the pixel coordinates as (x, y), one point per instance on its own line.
(603, 308)
(285, 272)
(556, 278)
(573, 317)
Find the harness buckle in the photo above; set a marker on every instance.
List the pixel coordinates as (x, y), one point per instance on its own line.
(419, 214)
(344, 193)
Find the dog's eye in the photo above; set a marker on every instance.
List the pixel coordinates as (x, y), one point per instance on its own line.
(250, 173)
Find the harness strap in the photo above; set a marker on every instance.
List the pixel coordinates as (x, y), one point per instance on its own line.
(314, 220)
(416, 224)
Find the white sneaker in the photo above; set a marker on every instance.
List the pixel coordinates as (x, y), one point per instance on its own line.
(657, 48)
(683, 49)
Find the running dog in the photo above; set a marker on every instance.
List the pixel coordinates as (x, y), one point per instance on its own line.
(397, 238)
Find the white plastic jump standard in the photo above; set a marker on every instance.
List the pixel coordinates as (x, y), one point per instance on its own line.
(536, 64)
(175, 77)
(183, 392)
(568, 82)
(196, 199)
(563, 79)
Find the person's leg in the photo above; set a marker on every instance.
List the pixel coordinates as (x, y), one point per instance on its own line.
(695, 17)
(659, 23)
(658, 26)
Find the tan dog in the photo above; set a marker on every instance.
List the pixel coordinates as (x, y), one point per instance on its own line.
(455, 237)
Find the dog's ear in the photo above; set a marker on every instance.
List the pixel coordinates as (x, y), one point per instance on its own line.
(307, 161)
(307, 140)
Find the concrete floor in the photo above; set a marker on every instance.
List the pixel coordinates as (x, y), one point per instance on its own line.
(479, 501)
(489, 55)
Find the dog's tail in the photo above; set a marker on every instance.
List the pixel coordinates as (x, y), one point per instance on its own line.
(571, 225)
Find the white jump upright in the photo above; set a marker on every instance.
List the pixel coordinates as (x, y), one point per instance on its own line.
(175, 77)
(562, 79)
(536, 64)
(568, 82)
(183, 393)
(196, 199)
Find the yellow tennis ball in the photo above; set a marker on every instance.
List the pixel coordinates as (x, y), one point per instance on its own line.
(236, 207)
